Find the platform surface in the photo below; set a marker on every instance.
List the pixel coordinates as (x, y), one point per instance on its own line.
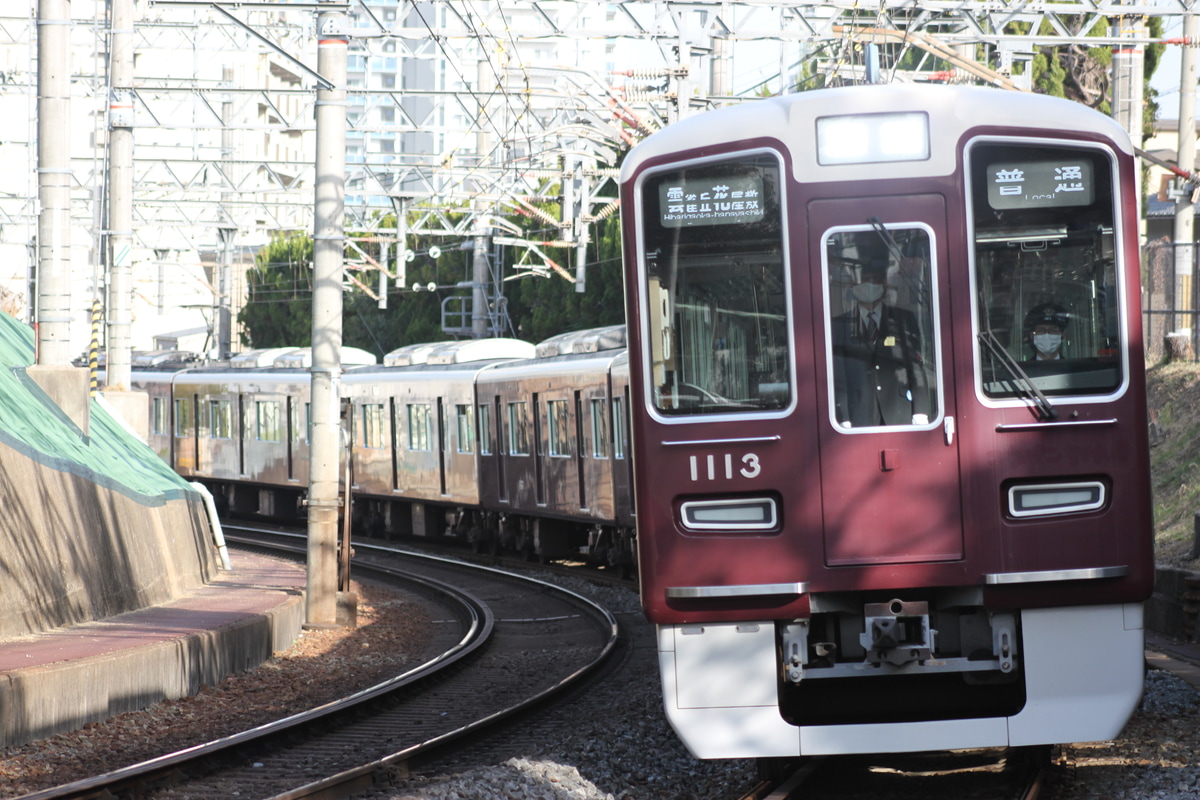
(63, 679)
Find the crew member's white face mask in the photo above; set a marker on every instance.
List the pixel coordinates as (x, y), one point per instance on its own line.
(868, 292)
(1047, 343)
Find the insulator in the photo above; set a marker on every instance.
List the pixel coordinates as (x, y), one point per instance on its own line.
(643, 74)
(607, 211)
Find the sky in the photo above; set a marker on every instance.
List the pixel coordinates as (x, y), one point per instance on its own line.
(1166, 77)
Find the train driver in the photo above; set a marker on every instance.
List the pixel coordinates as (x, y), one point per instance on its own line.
(878, 368)
(1045, 326)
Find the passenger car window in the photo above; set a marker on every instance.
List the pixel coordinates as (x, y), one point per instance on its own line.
(268, 427)
(1047, 291)
(183, 417)
(419, 437)
(882, 340)
(372, 425)
(518, 429)
(558, 416)
(465, 427)
(715, 287)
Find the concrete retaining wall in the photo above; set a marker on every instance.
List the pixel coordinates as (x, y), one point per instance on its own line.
(1172, 611)
(73, 551)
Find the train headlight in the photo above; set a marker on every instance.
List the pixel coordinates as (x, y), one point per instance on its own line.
(748, 514)
(872, 138)
(1046, 499)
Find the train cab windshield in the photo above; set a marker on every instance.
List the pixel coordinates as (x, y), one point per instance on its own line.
(1046, 272)
(715, 287)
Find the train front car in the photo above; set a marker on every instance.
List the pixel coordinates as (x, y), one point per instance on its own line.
(889, 421)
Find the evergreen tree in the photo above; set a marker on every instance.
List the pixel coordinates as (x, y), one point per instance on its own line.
(278, 309)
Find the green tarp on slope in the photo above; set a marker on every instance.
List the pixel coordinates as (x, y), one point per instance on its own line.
(32, 424)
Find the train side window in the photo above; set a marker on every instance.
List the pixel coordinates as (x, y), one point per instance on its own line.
(268, 427)
(183, 417)
(1047, 272)
(466, 428)
(518, 429)
(299, 426)
(485, 429)
(599, 428)
(883, 343)
(220, 419)
(559, 418)
(372, 425)
(419, 419)
(160, 423)
(618, 409)
(715, 287)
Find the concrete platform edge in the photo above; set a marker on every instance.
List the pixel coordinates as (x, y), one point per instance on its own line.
(44, 700)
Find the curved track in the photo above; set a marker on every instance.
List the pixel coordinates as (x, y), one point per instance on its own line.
(507, 644)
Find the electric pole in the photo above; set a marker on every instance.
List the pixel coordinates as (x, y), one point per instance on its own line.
(328, 254)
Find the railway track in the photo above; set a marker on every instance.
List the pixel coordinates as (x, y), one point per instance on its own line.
(1012, 774)
(506, 644)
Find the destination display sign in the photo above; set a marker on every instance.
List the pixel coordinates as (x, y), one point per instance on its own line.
(1039, 184)
(725, 200)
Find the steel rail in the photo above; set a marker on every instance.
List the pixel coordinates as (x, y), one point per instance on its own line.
(479, 622)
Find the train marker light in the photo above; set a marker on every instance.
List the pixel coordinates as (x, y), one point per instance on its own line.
(1035, 500)
(753, 514)
(872, 138)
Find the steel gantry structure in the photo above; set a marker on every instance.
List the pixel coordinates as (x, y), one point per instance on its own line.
(458, 112)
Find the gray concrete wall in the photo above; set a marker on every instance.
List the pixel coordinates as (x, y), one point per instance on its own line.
(1172, 610)
(72, 550)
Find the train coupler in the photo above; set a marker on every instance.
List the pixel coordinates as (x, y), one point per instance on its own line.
(897, 632)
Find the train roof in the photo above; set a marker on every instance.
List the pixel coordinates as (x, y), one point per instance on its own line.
(569, 364)
(458, 352)
(594, 340)
(225, 374)
(953, 110)
(424, 371)
(301, 357)
(294, 358)
(164, 359)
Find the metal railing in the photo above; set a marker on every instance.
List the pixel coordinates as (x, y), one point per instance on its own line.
(1170, 327)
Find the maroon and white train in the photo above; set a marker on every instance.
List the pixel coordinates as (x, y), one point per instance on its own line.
(889, 422)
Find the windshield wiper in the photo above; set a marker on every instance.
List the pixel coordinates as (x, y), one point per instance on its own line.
(888, 240)
(1045, 409)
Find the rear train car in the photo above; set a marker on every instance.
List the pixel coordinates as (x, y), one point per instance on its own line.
(412, 437)
(889, 421)
(554, 467)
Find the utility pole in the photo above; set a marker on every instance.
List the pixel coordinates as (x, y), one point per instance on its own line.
(328, 240)
(67, 386)
(223, 319)
(54, 182)
(1128, 59)
(120, 197)
(480, 278)
(1185, 208)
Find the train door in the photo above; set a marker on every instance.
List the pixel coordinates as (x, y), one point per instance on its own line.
(501, 450)
(539, 450)
(441, 444)
(582, 445)
(889, 458)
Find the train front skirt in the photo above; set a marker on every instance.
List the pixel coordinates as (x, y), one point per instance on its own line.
(1082, 669)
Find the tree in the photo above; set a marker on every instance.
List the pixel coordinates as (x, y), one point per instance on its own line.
(279, 306)
(1083, 73)
(278, 310)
